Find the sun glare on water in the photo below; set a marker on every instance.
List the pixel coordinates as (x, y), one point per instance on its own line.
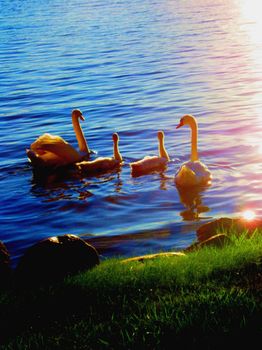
(251, 12)
(250, 27)
(248, 215)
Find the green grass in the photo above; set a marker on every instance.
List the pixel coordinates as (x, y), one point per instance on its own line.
(202, 299)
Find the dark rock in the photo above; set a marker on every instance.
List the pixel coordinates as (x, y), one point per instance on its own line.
(219, 240)
(54, 258)
(5, 267)
(193, 247)
(227, 225)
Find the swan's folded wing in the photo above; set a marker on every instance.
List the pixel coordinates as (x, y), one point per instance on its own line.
(63, 150)
(56, 146)
(193, 173)
(47, 139)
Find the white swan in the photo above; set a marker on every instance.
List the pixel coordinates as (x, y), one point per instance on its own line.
(52, 151)
(102, 164)
(152, 163)
(192, 172)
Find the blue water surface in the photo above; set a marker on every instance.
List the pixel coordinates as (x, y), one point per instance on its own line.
(132, 68)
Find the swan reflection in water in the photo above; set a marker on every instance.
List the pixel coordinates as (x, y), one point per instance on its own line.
(191, 198)
(67, 183)
(51, 177)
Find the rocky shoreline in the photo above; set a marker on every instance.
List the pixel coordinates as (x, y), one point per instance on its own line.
(54, 258)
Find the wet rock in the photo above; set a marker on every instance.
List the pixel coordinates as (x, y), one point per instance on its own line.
(5, 267)
(54, 258)
(227, 225)
(219, 240)
(194, 246)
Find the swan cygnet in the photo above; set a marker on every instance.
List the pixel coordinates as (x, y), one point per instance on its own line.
(102, 164)
(152, 163)
(192, 172)
(53, 151)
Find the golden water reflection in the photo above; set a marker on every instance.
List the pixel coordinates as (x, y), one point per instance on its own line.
(191, 198)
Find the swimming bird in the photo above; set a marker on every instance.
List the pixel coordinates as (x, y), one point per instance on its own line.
(102, 164)
(152, 163)
(53, 151)
(192, 172)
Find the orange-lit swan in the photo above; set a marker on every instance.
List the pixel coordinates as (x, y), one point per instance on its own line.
(152, 163)
(53, 151)
(102, 164)
(192, 172)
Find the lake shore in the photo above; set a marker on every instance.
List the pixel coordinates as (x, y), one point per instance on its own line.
(206, 297)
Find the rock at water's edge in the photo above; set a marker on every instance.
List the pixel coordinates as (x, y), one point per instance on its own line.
(54, 258)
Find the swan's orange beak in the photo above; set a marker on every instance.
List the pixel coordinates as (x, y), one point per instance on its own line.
(82, 117)
(180, 124)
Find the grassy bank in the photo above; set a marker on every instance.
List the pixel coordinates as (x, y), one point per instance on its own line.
(206, 298)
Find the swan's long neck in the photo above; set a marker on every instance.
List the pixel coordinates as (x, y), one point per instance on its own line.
(162, 150)
(194, 153)
(82, 144)
(117, 154)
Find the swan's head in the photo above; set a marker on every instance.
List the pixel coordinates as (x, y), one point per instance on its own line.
(76, 113)
(160, 135)
(115, 137)
(187, 119)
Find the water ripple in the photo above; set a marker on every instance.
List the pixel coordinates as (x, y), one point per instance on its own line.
(132, 68)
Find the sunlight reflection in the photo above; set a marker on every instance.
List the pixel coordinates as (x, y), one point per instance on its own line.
(251, 12)
(251, 26)
(248, 215)
(251, 23)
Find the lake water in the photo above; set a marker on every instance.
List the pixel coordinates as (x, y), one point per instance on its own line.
(133, 68)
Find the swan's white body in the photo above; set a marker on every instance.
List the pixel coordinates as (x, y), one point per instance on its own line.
(193, 172)
(102, 164)
(152, 163)
(53, 151)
